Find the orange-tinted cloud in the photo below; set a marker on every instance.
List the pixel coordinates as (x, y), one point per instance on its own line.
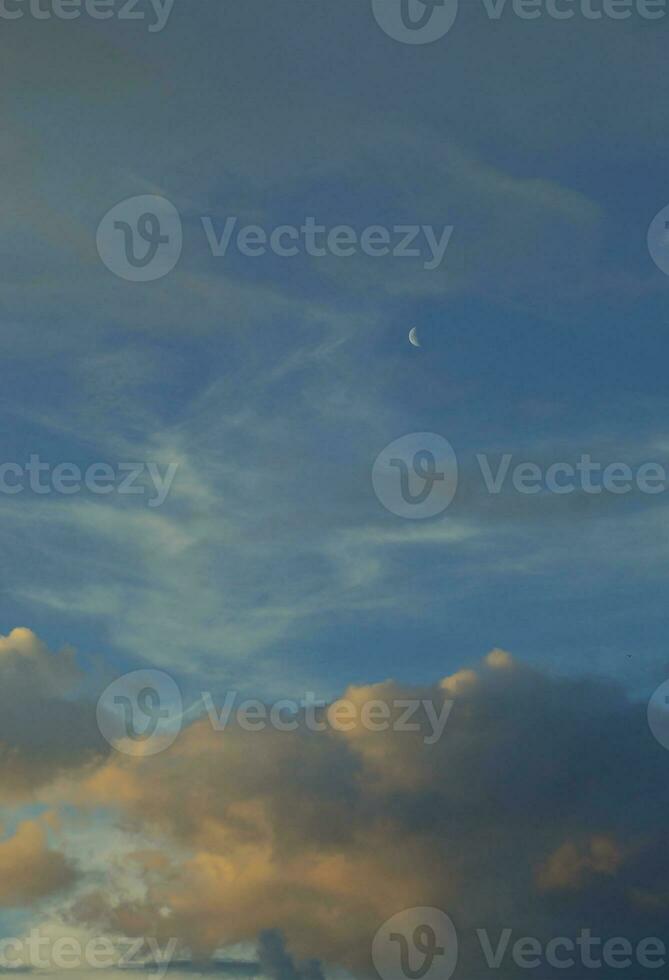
(29, 869)
(324, 835)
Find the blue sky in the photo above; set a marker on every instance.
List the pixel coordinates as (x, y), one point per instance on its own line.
(274, 383)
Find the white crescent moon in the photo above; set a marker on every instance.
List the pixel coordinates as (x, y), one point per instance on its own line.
(413, 337)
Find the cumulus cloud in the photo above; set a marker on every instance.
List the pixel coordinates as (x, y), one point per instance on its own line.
(515, 818)
(539, 808)
(46, 729)
(29, 868)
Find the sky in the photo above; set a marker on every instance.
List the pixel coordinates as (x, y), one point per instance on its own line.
(250, 414)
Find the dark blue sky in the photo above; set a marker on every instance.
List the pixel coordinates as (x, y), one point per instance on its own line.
(275, 382)
(272, 384)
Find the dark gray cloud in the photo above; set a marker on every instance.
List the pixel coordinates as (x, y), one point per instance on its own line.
(541, 809)
(47, 724)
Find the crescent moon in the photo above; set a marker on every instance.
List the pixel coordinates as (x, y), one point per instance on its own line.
(413, 337)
